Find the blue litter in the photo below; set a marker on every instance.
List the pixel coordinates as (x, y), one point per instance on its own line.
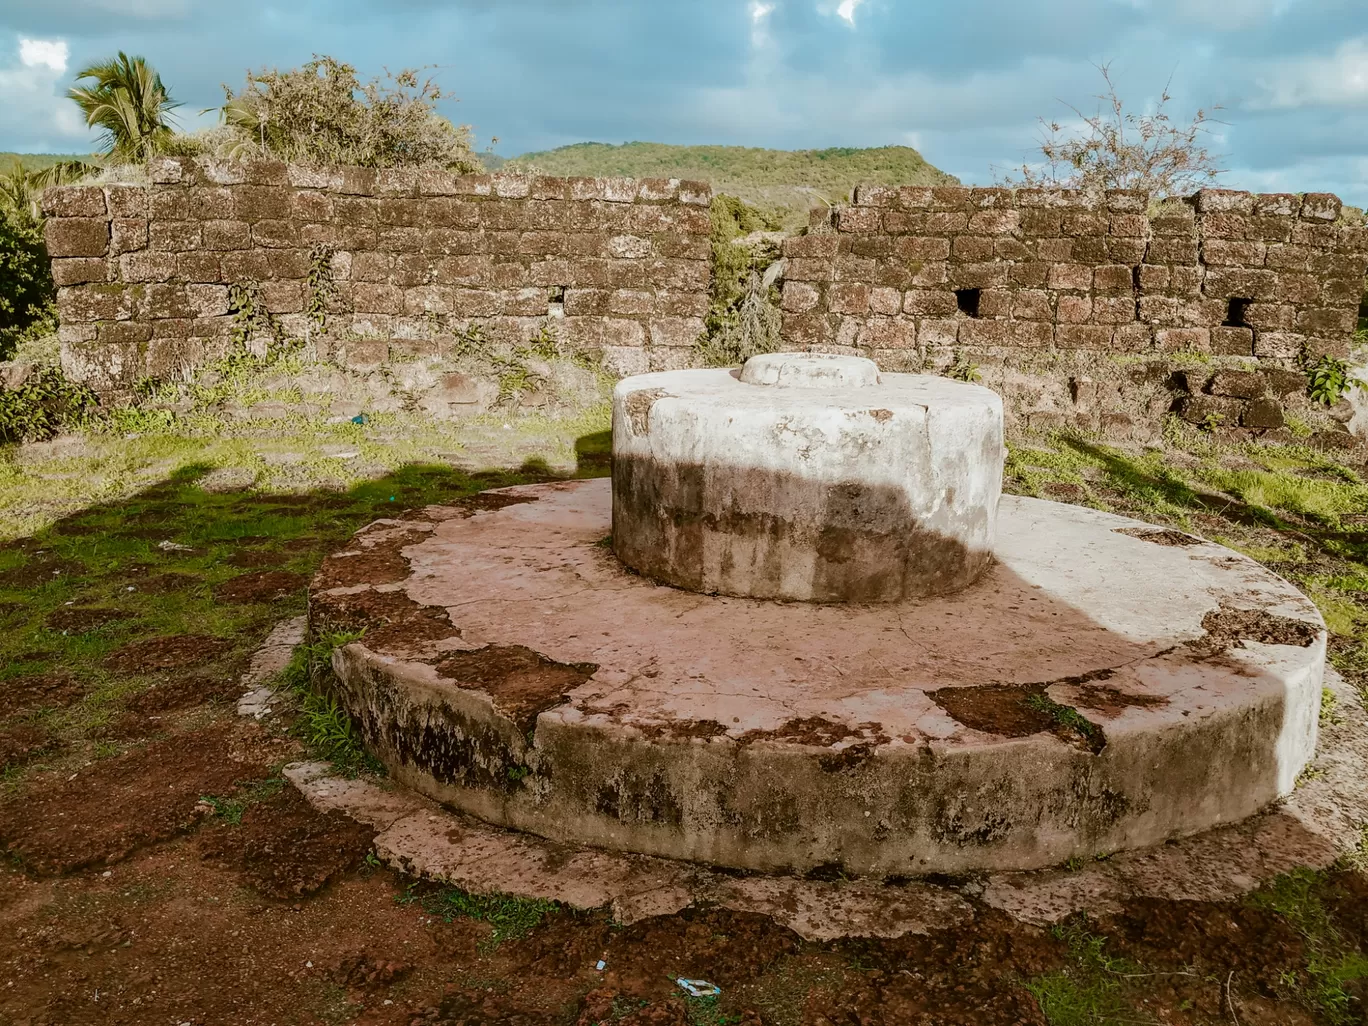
(360, 418)
(699, 988)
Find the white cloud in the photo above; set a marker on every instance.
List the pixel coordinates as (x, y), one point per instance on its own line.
(36, 114)
(1340, 80)
(47, 53)
(760, 12)
(846, 10)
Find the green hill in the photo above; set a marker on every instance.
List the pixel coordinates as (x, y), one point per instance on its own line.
(789, 178)
(38, 161)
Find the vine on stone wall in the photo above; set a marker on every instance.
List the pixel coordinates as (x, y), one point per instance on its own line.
(252, 318)
(321, 286)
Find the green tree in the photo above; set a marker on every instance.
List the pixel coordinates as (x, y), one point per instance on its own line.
(323, 114)
(26, 289)
(129, 102)
(1118, 149)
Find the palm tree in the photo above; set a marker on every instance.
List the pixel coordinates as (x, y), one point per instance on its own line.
(21, 190)
(130, 103)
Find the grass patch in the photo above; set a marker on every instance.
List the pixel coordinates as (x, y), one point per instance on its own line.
(511, 917)
(1090, 990)
(1332, 965)
(230, 809)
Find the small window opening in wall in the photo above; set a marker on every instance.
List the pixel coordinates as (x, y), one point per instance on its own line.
(555, 301)
(1235, 313)
(968, 301)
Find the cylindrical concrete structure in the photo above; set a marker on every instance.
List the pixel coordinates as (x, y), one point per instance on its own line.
(806, 477)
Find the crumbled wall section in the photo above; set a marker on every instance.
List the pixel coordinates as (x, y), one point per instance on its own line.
(1223, 273)
(145, 272)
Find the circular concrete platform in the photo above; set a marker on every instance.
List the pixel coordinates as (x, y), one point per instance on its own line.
(1105, 685)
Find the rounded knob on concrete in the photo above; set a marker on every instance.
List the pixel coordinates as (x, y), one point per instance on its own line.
(855, 491)
(810, 370)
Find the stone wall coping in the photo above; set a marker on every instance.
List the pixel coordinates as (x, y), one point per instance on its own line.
(398, 183)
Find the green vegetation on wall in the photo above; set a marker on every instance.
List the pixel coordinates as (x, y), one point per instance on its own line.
(743, 307)
(322, 113)
(26, 288)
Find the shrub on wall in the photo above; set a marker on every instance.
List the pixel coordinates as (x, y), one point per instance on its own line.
(26, 289)
(743, 312)
(323, 114)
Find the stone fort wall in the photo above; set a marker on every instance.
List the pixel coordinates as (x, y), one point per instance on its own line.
(1102, 293)
(146, 273)
(1077, 308)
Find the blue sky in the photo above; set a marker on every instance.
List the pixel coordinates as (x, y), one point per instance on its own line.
(963, 82)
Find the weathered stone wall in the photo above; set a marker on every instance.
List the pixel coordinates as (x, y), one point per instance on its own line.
(1033, 284)
(146, 272)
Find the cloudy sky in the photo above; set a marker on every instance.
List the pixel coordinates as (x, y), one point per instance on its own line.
(962, 81)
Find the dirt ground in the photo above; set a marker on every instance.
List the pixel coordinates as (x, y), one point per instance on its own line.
(158, 870)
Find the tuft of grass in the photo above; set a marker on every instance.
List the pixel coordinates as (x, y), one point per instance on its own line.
(511, 917)
(1068, 718)
(1323, 500)
(323, 724)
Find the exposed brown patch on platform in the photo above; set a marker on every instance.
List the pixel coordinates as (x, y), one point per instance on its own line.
(685, 729)
(489, 502)
(523, 683)
(379, 563)
(1019, 710)
(1000, 709)
(1226, 627)
(814, 730)
(638, 406)
(392, 621)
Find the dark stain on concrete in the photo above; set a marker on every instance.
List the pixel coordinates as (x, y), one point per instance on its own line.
(522, 683)
(454, 749)
(870, 546)
(975, 823)
(846, 759)
(882, 416)
(1160, 535)
(451, 747)
(633, 797)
